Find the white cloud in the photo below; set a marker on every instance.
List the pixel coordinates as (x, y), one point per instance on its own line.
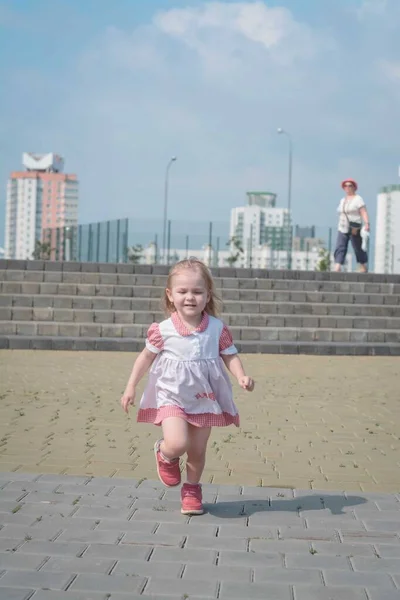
(391, 69)
(372, 8)
(219, 28)
(256, 21)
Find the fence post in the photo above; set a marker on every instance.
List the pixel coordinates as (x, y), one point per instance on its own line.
(216, 255)
(155, 248)
(58, 243)
(74, 232)
(210, 242)
(307, 254)
(80, 243)
(118, 234)
(330, 247)
(63, 244)
(392, 258)
(187, 247)
(125, 246)
(250, 261)
(90, 243)
(67, 243)
(168, 241)
(108, 242)
(98, 243)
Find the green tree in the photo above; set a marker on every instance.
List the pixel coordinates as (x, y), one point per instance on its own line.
(324, 263)
(236, 248)
(135, 253)
(42, 250)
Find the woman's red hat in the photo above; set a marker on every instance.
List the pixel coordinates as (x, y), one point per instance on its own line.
(350, 181)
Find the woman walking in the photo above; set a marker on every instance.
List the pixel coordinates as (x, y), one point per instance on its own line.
(353, 216)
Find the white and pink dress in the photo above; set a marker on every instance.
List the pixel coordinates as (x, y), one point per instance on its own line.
(188, 379)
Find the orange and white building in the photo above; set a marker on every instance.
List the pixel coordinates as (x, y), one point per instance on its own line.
(41, 202)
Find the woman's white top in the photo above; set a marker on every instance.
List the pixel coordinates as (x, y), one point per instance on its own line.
(351, 208)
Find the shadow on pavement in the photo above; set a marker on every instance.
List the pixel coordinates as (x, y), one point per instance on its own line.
(248, 507)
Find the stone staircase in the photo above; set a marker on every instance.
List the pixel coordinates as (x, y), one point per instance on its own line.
(93, 306)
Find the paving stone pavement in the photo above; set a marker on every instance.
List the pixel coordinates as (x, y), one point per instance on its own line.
(81, 519)
(314, 422)
(81, 538)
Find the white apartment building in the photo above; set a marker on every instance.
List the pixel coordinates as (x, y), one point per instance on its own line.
(261, 222)
(387, 236)
(38, 199)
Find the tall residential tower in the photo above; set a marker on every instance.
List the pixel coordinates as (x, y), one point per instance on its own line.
(261, 222)
(41, 198)
(387, 238)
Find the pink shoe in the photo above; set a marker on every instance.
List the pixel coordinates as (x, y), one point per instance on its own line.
(168, 472)
(192, 499)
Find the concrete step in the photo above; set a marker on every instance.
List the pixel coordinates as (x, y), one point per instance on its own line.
(46, 304)
(76, 267)
(230, 296)
(129, 317)
(221, 283)
(143, 305)
(138, 331)
(250, 347)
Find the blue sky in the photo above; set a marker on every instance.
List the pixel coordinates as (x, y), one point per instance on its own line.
(119, 87)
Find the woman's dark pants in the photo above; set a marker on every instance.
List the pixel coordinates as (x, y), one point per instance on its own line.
(342, 244)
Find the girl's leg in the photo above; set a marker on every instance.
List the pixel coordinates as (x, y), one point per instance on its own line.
(175, 437)
(361, 255)
(342, 243)
(196, 452)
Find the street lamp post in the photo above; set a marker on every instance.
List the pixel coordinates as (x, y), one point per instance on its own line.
(289, 202)
(172, 160)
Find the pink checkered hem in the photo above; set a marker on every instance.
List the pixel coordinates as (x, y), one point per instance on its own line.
(157, 415)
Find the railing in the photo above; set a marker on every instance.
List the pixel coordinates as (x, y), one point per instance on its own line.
(140, 241)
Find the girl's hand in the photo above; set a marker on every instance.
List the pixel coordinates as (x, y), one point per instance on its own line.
(367, 227)
(247, 383)
(128, 399)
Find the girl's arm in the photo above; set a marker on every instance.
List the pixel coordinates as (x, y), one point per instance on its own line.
(364, 216)
(141, 366)
(234, 366)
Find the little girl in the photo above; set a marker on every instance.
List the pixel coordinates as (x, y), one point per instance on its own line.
(188, 390)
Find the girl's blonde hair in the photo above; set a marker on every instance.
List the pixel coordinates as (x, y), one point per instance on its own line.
(213, 306)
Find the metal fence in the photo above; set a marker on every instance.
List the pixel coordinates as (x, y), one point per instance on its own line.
(125, 240)
(140, 241)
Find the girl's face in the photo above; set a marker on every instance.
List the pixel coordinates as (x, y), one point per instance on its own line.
(188, 293)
